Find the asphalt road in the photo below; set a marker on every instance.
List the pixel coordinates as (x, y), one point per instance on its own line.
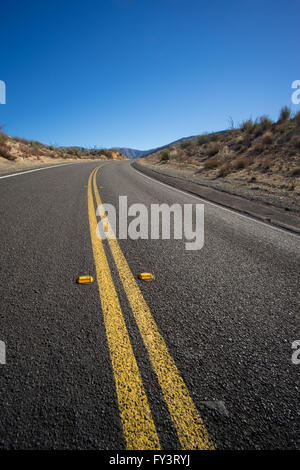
(199, 357)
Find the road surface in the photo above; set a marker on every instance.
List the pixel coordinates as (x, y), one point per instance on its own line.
(199, 357)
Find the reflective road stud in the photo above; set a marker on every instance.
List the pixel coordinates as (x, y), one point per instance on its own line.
(145, 276)
(85, 280)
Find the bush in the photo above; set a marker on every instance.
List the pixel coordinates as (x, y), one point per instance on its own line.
(263, 124)
(5, 152)
(297, 119)
(186, 144)
(248, 126)
(35, 144)
(267, 138)
(284, 114)
(224, 170)
(240, 163)
(164, 155)
(212, 163)
(258, 148)
(203, 139)
(213, 149)
(21, 140)
(3, 136)
(73, 151)
(215, 137)
(107, 153)
(266, 164)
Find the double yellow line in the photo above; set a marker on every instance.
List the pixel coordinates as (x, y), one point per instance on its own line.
(138, 426)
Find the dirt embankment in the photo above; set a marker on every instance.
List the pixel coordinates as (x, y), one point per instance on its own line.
(18, 154)
(259, 161)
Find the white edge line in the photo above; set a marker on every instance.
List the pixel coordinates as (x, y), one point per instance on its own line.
(40, 169)
(186, 193)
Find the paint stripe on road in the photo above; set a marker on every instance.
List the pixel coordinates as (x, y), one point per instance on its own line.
(188, 423)
(137, 422)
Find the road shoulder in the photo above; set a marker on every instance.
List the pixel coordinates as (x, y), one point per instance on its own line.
(264, 212)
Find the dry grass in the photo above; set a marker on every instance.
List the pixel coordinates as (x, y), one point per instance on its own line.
(212, 149)
(5, 151)
(240, 163)
(284, 114)
(212, 163)
(224, 169)
(267, 138)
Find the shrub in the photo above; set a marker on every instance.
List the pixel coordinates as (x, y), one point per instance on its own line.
(35, 144)
(21, 140)
(266, 164)
(248, 125)
(164, 155)
(5, 152)
(258, 148)
(3, 136)
(264, 123)
(297, 119)
(74, 151)
(203, 139)
(215, 137)
(284, 114)
(267, 138)
(224, 170)
(213, 149)
(240, 163)
(212, 163)
(186, 144)
(107, 153)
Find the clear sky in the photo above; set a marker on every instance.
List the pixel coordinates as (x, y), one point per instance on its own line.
(142, 73)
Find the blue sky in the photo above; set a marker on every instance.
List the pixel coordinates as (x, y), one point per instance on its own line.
(142, 73)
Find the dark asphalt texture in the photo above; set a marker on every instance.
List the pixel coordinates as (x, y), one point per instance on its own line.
(227, 312)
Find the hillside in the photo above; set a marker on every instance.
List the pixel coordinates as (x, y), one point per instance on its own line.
(17, 153)
(132, 153)
(258, 160)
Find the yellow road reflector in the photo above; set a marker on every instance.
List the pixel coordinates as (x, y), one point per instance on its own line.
(85, 280)
(146, 276)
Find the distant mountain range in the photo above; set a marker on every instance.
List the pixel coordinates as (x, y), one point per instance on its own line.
(134, 153)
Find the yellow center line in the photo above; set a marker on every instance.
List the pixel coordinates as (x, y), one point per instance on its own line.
(137, 422)
(189, 425)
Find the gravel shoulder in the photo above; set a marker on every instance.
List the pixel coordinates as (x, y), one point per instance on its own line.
(280, 208)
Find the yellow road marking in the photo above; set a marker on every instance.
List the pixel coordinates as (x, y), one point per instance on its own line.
(137, 422)
(189, 425)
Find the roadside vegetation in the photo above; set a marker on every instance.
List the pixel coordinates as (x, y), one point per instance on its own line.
(19, 149)
(255, 150)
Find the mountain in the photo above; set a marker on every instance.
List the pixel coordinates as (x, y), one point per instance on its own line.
(133, 153)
